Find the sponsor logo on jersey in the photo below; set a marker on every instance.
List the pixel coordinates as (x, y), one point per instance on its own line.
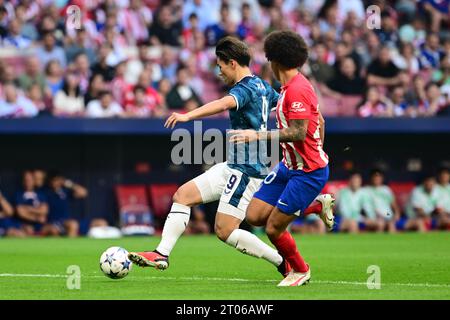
(297, 107)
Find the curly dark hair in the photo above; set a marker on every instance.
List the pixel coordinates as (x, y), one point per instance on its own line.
(287, 48)
(229, 48)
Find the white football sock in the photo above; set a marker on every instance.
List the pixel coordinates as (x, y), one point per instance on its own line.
(251, 245)
(174, 226)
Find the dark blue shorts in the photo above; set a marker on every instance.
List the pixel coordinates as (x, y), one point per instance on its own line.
(292, 191)
(16, 223)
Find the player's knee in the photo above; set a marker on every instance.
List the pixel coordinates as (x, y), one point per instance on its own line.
(181, 196)
(255, 220)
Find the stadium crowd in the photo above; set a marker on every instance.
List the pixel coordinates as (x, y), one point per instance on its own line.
(146, 58)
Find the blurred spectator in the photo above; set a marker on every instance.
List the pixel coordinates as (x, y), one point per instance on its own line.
(426, 207)
(36, 97)
(48, 50)
(430, 52)
(102, 67)
(207, 12)
(82, 69)
(350, 202)
(119, 84)
(59, 193)
(346, 81)
(15, 105)
(223, 28)
(31, 206)
(80, 45)
(168, 64)
(96, 84)
(135, 21)
(381, 206)
(141, 106)
(135, 66)
(164, 87)
(438, 12)
(406, 59)
(104, 107)
(181, 94)
(188, 33)
(388, 31)
(28, 28)
(6, 212)
(444, 185)
(39, 177)
(400, 104)
(118, 46)
(319, 63)
(375, 105)
(69, 101)
(33, 74)
(15, 38)
(166, 29)
(54, 77)
(434, 101)
(382, 71)
(3, 23)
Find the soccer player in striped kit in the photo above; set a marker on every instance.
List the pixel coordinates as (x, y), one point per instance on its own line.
(295, 182)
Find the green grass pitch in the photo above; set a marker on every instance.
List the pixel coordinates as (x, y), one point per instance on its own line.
(413, 266)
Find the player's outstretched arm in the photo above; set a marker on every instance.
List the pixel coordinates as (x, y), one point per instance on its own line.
(295, 132)
(209, 109)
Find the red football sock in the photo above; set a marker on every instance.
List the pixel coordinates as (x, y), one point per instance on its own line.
(315, 207)
(288, 249)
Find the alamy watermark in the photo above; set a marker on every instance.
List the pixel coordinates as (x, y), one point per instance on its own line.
(73, 281)
(373, 17)
(212, 146)
(374, 280)
(73, 17)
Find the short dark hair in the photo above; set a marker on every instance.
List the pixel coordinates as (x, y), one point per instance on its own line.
(286, 48)
(231, 48)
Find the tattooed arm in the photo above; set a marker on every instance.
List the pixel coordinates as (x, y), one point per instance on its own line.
(295, 132)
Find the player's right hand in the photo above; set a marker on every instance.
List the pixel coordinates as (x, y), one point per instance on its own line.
(174, 118)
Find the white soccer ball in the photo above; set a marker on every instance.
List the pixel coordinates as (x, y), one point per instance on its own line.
(114, 263)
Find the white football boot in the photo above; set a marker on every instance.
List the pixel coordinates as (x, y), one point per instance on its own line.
(327, 216)
(295, 279)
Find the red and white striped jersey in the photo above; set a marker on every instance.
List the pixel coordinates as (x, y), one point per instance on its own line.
(299, 101)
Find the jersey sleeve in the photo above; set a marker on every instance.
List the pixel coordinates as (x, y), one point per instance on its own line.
(240, 95)
(298, 105)
(274, 99)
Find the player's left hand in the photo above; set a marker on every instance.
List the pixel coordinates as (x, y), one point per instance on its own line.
(174, 118)
(243, 136)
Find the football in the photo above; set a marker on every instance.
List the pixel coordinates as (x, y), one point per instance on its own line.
(114, 263)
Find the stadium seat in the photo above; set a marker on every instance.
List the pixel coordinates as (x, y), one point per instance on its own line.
(135, 213)
(348, 105)
(329, 106)
(402, 192)
(161, 198)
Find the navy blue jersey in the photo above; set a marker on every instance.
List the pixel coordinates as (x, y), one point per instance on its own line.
(30, 198)
(58, 204)
(254, 100)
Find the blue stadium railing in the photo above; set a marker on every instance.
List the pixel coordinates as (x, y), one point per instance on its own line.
(82, 126)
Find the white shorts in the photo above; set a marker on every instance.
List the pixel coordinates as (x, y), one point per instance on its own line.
(233, 188)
